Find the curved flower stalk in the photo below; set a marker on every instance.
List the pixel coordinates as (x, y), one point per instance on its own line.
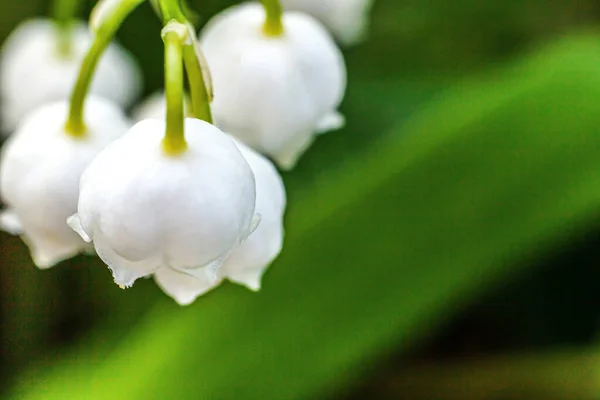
(275, 86)
(35, 70)
(145, 209)
(249, 261)
(39, 175)
(347, 20)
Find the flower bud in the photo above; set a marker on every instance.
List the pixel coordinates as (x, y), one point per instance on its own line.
(145, 210)
(34, 70)
(273, 92)
(39, 175)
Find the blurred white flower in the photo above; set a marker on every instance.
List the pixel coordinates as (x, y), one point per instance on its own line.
(248, 262)
(39, 175)
(152, 107)
(273, 92)
(33, 71)
(347, 20)
(144, 209)
(155, 106)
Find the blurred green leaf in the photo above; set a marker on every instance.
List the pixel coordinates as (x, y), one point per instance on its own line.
(494, 172)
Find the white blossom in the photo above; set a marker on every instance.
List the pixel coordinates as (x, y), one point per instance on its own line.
(33, 71)
(273, 92)
(247, 263)
(347, 20)
(145, 210)
(39, 175)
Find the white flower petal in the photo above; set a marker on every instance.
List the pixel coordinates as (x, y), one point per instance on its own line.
(40, 170)
(145, 210)
(125, 272)
(209, 272)
(155, 107)
(75, 223)
(46, 251)
(248, 262)
(9, 222)
(272, 92)
(331, 122)
(33, 72)
(182, 287)
(288, 155)
(251, 278)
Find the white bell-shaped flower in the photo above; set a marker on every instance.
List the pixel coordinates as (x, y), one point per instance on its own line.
(273, 92)
(40, 170)
(347, 20)
(248, 262)
(144, 209)
(33, 71)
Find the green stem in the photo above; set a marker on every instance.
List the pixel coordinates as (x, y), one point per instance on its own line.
(198, 89)
(200, 109)
(64, 13)
(105, 32)
(174, 141)
(274, 12)
(171, 10)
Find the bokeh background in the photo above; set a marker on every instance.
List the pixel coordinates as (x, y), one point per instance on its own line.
(444, 245)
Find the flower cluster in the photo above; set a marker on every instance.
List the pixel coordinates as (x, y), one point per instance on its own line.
(184, 190)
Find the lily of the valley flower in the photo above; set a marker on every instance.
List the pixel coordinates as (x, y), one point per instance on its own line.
(34, 70)
(248, 262)
(346, 19)
(273, 92)
(39, 175)
(145, 209)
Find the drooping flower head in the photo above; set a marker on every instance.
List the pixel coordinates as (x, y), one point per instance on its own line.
(273, 91)
(247, 262)
(346, 19)
(40, 169)
(145, 210)
(34, 70)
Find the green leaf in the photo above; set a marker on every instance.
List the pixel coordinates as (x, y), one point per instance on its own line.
(491, 174)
